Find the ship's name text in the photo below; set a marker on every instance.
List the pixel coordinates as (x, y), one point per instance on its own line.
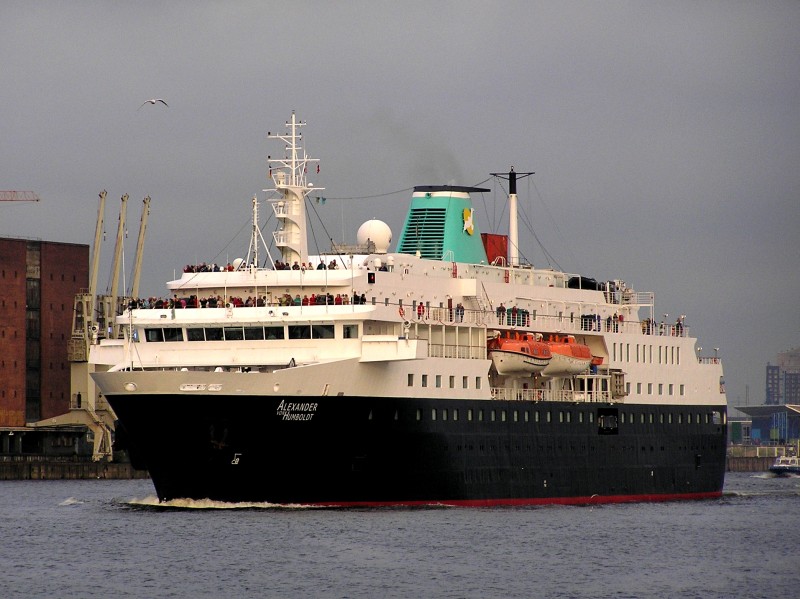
(296, 411)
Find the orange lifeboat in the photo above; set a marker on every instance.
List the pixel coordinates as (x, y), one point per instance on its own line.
(569, 356)
(519, 354)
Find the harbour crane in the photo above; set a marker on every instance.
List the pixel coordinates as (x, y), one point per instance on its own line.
(18, 196)
(137, 265)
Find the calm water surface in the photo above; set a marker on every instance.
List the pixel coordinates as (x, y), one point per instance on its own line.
(108, 539)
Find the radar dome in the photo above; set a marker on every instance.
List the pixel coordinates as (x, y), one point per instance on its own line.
(376, 231)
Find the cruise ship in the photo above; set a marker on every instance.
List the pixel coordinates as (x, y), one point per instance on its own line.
(444, 372)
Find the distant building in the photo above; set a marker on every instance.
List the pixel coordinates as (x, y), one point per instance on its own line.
(783, 379)
(38, 283)
(772, 425)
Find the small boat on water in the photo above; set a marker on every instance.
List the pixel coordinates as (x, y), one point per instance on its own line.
(519, 354)
(569, 356)
(786, 465)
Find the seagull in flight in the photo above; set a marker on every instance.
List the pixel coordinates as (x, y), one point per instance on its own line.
(153, 101)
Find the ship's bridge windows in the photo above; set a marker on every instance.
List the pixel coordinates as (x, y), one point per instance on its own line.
(195, 335)
(273, 332)
(253, 333)
(154, 335)
(322, 331)
(350, 331)
(173, 334)
(299, 331)
(234, 334)
(214, 334)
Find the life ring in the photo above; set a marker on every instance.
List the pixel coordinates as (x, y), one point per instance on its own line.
(402, 313)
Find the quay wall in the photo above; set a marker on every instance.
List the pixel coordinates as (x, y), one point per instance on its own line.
(748, 464)
(44, 470)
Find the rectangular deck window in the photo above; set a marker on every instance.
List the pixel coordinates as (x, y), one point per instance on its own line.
(173, 334)
(195, 335)
(410, 379)
(254, 333)
(234, 334)
(214, 334)
(299, 331)
(322, 331)
(154, 335)
(273, 332)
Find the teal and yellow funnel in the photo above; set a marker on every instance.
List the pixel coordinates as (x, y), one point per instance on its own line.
(440, 225)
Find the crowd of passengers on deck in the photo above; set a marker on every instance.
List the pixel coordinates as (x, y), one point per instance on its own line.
(237, 302)
(213, 267)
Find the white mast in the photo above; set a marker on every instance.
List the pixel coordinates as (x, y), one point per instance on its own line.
(513, 228)
(289, 176)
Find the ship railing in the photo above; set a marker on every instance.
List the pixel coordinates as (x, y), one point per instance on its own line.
(567, 396)
(709, 360)
(564, 323)
(468, 352)
(530, 320)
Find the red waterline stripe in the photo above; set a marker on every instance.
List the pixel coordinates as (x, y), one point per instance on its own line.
(591, 500)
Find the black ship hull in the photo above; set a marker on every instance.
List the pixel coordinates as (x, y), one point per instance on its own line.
(357, 451)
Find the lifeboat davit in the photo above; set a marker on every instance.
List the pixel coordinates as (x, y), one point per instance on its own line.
(569, 356)
(519, 354)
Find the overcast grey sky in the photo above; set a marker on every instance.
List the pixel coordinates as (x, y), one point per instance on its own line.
(665, 135)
